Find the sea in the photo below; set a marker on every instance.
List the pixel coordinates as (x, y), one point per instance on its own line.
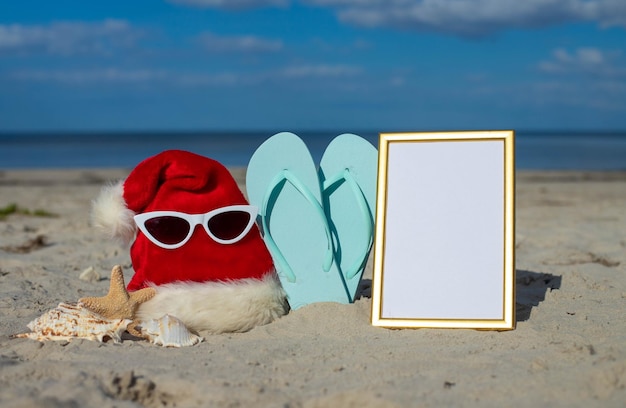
(534, 150)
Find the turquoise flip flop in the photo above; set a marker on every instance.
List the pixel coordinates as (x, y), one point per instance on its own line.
(348, 172)
(282, 181)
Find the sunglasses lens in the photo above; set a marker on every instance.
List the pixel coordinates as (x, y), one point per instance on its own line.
(229, 225)
(168, 230)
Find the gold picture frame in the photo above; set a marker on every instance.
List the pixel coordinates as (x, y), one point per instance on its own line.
(444, 252)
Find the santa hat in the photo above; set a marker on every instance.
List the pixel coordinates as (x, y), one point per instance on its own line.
(239, 273)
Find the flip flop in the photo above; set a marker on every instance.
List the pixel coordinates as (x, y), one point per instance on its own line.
(282, 181)
(348, 172)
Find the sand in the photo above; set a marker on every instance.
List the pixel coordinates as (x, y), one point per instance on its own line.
(569, 347)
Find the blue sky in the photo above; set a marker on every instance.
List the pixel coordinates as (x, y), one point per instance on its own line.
(383, 65)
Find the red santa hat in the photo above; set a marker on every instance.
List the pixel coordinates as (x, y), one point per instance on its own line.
(240, 272)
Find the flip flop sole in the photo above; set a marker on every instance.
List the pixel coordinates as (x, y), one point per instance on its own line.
(348, 172)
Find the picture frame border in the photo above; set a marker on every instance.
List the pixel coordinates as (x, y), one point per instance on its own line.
(508, 320)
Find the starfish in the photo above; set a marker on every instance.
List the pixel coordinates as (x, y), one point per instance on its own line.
(118, 303)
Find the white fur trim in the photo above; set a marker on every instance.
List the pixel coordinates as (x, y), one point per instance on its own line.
(218, 307)
(110, 213)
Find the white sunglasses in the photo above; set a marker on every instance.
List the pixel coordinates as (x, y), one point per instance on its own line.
(172, 229)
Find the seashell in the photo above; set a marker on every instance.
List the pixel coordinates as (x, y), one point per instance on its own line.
(71, 320)
(168, 331)
(90, 275)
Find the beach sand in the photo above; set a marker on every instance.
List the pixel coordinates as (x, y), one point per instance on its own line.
(569, 347)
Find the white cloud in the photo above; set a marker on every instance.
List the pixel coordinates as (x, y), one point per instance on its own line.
(67, 38)
(126, 77)
(319, 71)
(468, 18)
(604, 96)
(113, 76)
(200, 79)
(475, 18)
(245, 43)
(79, 77)
(585, 60)
(231, 4)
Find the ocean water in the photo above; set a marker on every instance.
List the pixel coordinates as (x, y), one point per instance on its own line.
(534, 150)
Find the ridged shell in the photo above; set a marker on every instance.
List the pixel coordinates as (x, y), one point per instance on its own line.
(70, 320)
(168, 331)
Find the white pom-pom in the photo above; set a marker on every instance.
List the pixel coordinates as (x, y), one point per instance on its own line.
(110, 213)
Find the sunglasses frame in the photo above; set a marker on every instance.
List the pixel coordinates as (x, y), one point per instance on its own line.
(194, 220)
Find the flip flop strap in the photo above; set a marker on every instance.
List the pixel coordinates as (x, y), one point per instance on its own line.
(365, 211)
(286, 175)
